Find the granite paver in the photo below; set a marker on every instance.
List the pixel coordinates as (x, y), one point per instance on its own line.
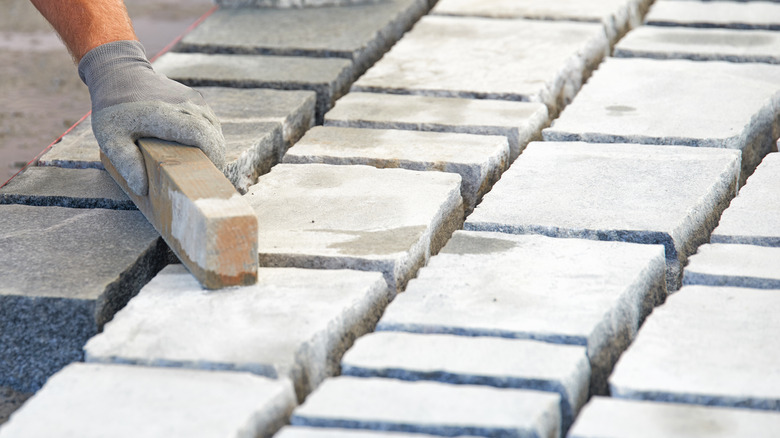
(479, 160)
(519, 122)
(315, 432)
(472, 57)
(65, 273)
(77, 149)
(288, 3)
(562, 291)
(726, 14)
(429, 407)
(734, 265)
(354, 217)
(671, 102)
(293, 323)
(668, 195)
(488, 361)
(707, 345)
(92, 400)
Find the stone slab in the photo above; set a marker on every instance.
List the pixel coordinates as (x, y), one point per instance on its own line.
(753, 217)
(671, 102)
(488, 361)
(77, 149)
(734, 265)
(429, 407)
(712, 346)
(65, 273)
(328, 77)
(479, 160)
(519, 122)
(458, 56)
(91, 400)
(61, 187)
(314, 432)
(288, 3)
(668, 195)
(359, 32)
(700, 44)
(616, 418)
(726, 14)
(355, 217)
(293, 323)
(561, 291)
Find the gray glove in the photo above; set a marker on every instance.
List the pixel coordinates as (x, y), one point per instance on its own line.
(131, 101)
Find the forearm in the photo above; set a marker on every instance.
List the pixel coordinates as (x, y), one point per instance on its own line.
(86, 24)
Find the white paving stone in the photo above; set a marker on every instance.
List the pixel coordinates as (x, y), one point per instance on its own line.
(293, 323)
(479, 160)
(520, 122)
(512, 59)
(615, 418)
(635, 193)
(488, 361)
(430, 407)
(315, 432)
(728, 14)
(354, 217)
(562, 291)
(734, 265)
(672, 102)
(91, 400)
(713, 346)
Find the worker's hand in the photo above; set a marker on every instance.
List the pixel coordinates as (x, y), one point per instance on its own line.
(131, 101)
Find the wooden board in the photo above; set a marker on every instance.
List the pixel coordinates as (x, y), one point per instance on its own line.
(198, 212)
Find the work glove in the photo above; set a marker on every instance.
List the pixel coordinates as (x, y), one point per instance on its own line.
(131, 101)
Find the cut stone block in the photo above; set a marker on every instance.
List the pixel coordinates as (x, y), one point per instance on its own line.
(734, 265)
(461, 56)
(669, 195)
(251, 149)
(293, 323)
(562, 291)
(488, 361)
(754, 215)
(355, 217)
(479, 160)
(58, 187)
(519, 122)
(712, 346)
(65, 273)
(77, 150)
(314, 432)
(672, 102)
(616, 418)
(429, 407)
(701, 44)
(92, 400)
(328, 77)
(728, 14)
(360, 33)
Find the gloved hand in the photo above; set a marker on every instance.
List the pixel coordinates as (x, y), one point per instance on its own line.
(131, 101)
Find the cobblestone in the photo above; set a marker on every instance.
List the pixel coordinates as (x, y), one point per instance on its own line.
(734, 265)
(728, 14)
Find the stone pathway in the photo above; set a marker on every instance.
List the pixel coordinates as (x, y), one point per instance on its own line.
(499, 230)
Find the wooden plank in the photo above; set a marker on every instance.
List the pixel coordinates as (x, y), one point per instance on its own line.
(198, 212)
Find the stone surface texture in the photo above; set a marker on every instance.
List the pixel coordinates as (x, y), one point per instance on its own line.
(643, 194)
(354, 217)
(77, 149)
(720, 264)
(727, 14)
(289, 3)
(313, 432)
(293, 323)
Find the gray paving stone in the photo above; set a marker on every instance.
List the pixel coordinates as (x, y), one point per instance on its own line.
(294, 323)
(59, 187)
(488, 361)
(708, 345)
(77, 150)
(458, 57)
(355, 217)
(520, 122)
(616, 418)
(360, 33)
(633, 193)
(753, 217)
(288, 3)
(734, 265)
(314, 432)
(562, 291)
(65, 273)
(92, 400)
(701, 44)
(429, 407)
(728, 14)
(479, 160)
(671, 102)
(328, 77)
